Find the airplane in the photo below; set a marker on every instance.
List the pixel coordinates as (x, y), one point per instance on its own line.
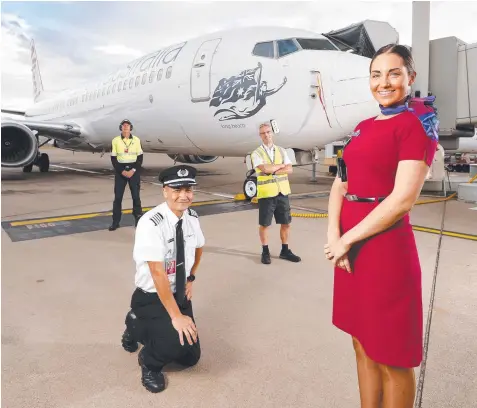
(204, 98)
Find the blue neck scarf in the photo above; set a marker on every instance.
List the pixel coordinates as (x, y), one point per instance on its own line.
(395, 109)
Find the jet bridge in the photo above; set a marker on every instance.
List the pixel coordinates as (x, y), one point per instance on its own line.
(451, 64)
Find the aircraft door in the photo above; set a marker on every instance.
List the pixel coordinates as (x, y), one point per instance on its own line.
(200, 73)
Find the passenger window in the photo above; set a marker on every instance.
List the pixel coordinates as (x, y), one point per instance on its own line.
(169, 72)
(286, 47)
(144, 78)
(264, 49)
(316, 44)
(159, 75)
(151, 77)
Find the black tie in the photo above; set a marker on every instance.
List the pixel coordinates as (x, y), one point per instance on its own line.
(180, 264)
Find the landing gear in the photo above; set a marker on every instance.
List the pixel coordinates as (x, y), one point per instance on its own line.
(250, 185)
(42, 161)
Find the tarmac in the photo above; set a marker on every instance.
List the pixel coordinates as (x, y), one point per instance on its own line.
(265, 330)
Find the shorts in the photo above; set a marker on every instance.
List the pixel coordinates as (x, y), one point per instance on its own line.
(278, 206)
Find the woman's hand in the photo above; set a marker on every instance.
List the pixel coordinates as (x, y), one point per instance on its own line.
(336, 251)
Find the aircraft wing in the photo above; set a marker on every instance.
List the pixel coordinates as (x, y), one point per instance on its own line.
(63, 131)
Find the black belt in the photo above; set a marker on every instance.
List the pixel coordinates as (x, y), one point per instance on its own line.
(354, 197)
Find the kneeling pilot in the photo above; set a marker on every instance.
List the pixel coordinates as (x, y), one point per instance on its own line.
(167, 251)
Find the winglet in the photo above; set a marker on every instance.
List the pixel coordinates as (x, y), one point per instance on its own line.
(36, 76)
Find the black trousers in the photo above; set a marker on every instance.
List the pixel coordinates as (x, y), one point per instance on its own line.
(119, 187)
(152, 326)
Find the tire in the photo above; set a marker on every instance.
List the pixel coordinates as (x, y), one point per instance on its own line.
(250, 187)
(28, 169)
(44, 163)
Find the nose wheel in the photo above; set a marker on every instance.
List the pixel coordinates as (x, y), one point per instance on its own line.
(250, 187)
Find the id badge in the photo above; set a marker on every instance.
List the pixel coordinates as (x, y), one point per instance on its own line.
(126, 150)
(170, 264)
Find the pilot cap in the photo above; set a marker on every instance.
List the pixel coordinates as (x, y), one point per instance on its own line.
(178, 176)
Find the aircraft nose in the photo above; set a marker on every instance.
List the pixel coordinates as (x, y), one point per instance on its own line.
(352, 98)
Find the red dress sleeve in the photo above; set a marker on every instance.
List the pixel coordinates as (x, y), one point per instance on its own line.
(415, 144)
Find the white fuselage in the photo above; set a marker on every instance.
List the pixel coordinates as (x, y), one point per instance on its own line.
(316, 97)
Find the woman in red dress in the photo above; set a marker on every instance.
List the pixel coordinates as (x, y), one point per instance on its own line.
(377, 287)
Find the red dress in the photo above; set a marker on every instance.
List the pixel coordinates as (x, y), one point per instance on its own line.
(380, 302)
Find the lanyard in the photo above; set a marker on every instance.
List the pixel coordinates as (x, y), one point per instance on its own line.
(274, 153)
(126, 150)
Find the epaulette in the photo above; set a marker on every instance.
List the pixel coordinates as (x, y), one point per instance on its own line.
(192, 212)
(157, 219)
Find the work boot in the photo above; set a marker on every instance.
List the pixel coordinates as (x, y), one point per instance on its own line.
(266, 258)
(114, 226)
(128, 342)
(289, 256)
(153, 381)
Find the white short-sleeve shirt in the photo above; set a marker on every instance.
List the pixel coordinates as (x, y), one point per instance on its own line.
(155, 241)
(257, 159)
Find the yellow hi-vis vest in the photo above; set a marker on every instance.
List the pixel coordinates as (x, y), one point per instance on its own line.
(271, 185)
(126, 150)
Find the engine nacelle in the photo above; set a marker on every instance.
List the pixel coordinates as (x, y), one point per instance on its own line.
(192, 158)
(19, 145)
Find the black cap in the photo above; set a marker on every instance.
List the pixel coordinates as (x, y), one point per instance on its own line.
(178, 176)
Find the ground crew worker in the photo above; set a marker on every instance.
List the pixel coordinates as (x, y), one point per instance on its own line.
(167, 251)
(126, 157)
(272, 165)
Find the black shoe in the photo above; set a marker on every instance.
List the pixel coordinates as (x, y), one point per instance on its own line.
(266, 258)
(113, 226)
(289, 256)
(136, 220)
(153, 381)
(128, 342)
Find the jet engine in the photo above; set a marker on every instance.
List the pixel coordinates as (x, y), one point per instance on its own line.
(19, 145)
(192, 159)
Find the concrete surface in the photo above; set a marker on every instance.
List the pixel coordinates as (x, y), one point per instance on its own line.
(266, 332)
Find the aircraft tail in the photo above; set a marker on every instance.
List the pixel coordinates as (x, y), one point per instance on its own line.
(36, 75)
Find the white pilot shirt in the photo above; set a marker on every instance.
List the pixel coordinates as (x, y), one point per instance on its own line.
(155, 242)
(257, 160)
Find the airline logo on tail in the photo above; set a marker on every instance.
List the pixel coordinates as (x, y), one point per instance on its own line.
(243, 95)
(35, 71)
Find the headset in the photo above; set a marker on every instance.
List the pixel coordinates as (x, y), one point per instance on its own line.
(125, 121)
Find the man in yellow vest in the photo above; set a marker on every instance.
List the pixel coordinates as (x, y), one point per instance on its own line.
(126, 157)
(272, 165)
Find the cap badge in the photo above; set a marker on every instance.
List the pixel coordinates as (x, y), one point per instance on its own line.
(183, 173)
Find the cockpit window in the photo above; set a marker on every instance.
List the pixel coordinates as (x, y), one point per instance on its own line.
(264, 49)
(316, 44)
(286, 47)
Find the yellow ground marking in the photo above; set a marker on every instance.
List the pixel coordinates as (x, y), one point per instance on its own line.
(99, 214)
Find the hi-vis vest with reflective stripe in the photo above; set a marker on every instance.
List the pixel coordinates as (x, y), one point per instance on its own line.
(126, 150)
(269, 185)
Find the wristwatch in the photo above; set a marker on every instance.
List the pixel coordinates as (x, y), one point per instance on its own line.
(191, 278)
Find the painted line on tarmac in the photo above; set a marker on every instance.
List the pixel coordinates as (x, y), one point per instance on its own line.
(72, 168)
(96, 214)
(445, 233)
(80, 223)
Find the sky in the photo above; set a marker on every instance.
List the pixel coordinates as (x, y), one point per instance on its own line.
(78, 41)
